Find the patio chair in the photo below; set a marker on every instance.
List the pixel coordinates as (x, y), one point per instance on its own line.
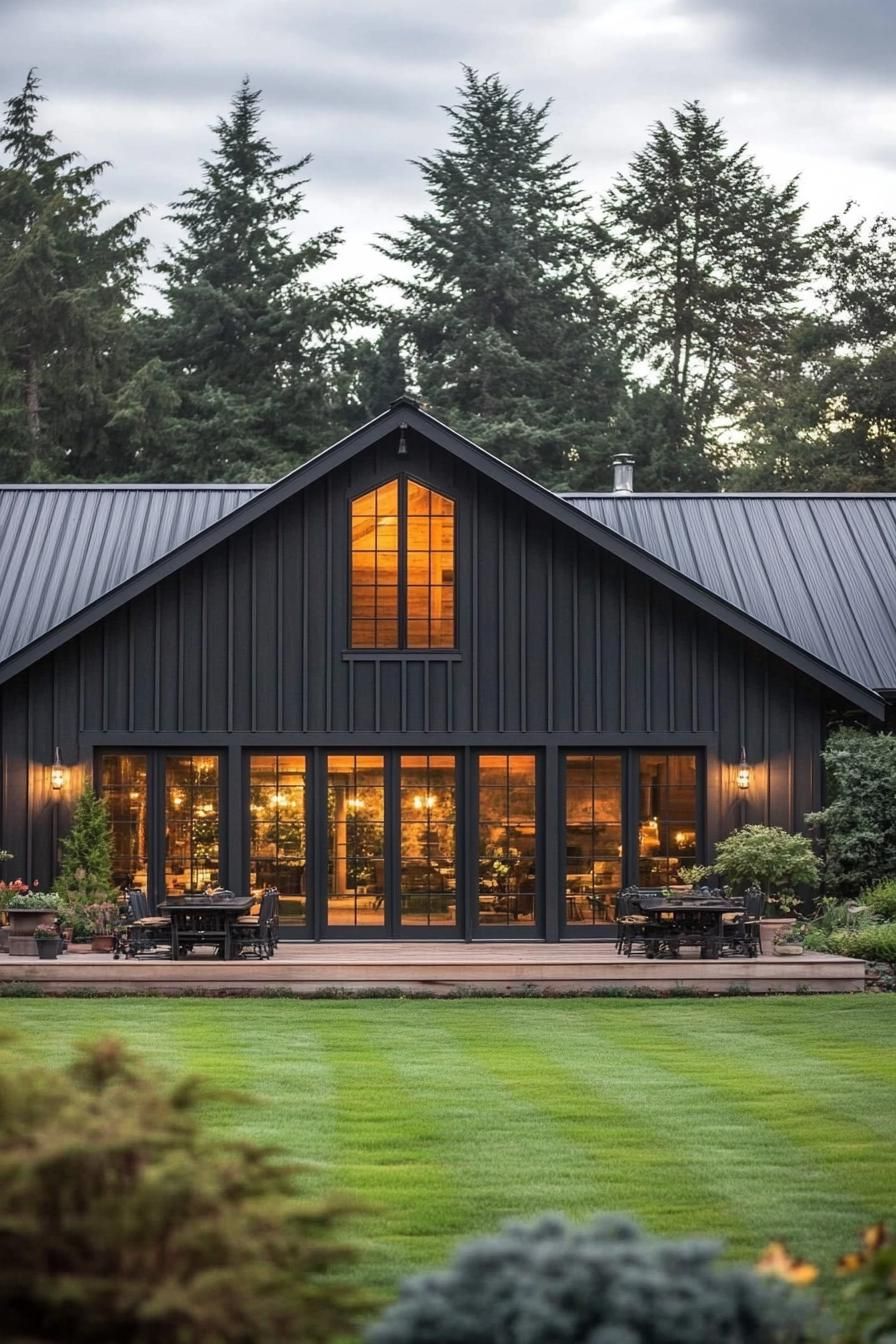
(259, 933)
(141, 930)
(740, 927)
(630, 921)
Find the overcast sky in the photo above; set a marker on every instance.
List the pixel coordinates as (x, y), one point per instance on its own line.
(809, 83)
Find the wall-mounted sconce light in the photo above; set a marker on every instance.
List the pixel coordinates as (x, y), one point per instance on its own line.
(744, 773)
(57, 772)
(402, 440)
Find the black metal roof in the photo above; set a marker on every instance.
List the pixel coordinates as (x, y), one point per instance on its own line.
(820, 569)
(815, 571)
(67, 545)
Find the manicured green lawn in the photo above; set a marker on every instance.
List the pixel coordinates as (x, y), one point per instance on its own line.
(747, 1119)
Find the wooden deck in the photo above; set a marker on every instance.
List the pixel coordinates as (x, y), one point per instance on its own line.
(438, 968)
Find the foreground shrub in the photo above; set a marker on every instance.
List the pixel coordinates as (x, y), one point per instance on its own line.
(858, 826)
(606, 1283)
(121, 1220)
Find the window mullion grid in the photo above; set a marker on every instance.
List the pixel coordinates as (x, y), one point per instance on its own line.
(402, 562)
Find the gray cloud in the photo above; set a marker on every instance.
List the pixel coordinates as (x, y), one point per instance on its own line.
(830, 37)
(360, 86)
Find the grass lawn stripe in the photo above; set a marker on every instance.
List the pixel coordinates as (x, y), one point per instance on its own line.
(498, 1133)
(633, 1150)
(819, 1081)
(767, 1157)
(390, 1153)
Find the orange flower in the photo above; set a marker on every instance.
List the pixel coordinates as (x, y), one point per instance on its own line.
(850, 1262)
(777, 1261)
(875, 1237)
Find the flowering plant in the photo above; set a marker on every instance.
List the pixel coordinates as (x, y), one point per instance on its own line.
(46, 931)
(9, 889)
(29, 898)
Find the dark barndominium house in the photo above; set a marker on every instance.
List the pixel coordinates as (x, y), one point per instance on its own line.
(419, 693)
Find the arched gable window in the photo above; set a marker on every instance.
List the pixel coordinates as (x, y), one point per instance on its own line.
(402, 568)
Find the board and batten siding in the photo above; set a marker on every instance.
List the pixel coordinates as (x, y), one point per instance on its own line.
(559, 645)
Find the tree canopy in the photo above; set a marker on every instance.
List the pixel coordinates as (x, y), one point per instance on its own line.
(690, 319)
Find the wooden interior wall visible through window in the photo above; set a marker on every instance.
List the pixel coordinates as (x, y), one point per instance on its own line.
(375, 568)
(430, 569)
(402, 568)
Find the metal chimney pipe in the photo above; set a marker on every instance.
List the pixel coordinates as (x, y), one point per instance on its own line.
(623, 474)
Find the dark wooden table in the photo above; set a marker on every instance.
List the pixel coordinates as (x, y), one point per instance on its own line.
(676, 919)
(208, 920)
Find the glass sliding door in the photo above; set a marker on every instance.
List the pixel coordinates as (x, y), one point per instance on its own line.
(507, 840)
(428, 873)
(123, 781)
(667, 817)
(192, 824)
(593, 863)
(277, 832)
(356, 884)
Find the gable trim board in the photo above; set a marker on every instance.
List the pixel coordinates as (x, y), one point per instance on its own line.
(405, 414)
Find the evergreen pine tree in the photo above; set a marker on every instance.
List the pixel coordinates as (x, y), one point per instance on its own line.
(822, 416)
(86, 872)
(257, 355)
(709, 257)
(65, 287)
(510, 327)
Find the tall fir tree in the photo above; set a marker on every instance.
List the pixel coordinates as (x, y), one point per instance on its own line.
(510, 328)
(823, 416)
(66, 285)
(708, 256)
(259, 357)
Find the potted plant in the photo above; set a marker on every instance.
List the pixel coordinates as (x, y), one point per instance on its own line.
(773, 860)
(26, 910)
(103, 916)
(788, 941)
(46, 936)
(7, 891)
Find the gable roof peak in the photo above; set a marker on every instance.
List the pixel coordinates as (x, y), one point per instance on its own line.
(404, 400)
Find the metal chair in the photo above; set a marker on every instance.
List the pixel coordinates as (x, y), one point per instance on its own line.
(259, 933)
(630, 921)
(740, 927)
(141, 931)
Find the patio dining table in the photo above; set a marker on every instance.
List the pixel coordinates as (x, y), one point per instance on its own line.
(692, 920)
(204, 920)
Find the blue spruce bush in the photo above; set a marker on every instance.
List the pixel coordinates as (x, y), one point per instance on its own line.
(552, 1282)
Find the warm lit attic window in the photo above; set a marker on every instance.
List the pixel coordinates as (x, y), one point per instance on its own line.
(402, 568)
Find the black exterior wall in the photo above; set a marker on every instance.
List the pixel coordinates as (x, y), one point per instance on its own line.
(560, 645)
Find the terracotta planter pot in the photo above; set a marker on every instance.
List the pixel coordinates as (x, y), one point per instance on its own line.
(22, 922)
(768, 932)
(102, 942)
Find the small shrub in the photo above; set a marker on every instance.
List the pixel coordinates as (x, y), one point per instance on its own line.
(120, 1219)
(770, 858)
(554, 1281)
(873, 942)
(881, 899)
(86, 874)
